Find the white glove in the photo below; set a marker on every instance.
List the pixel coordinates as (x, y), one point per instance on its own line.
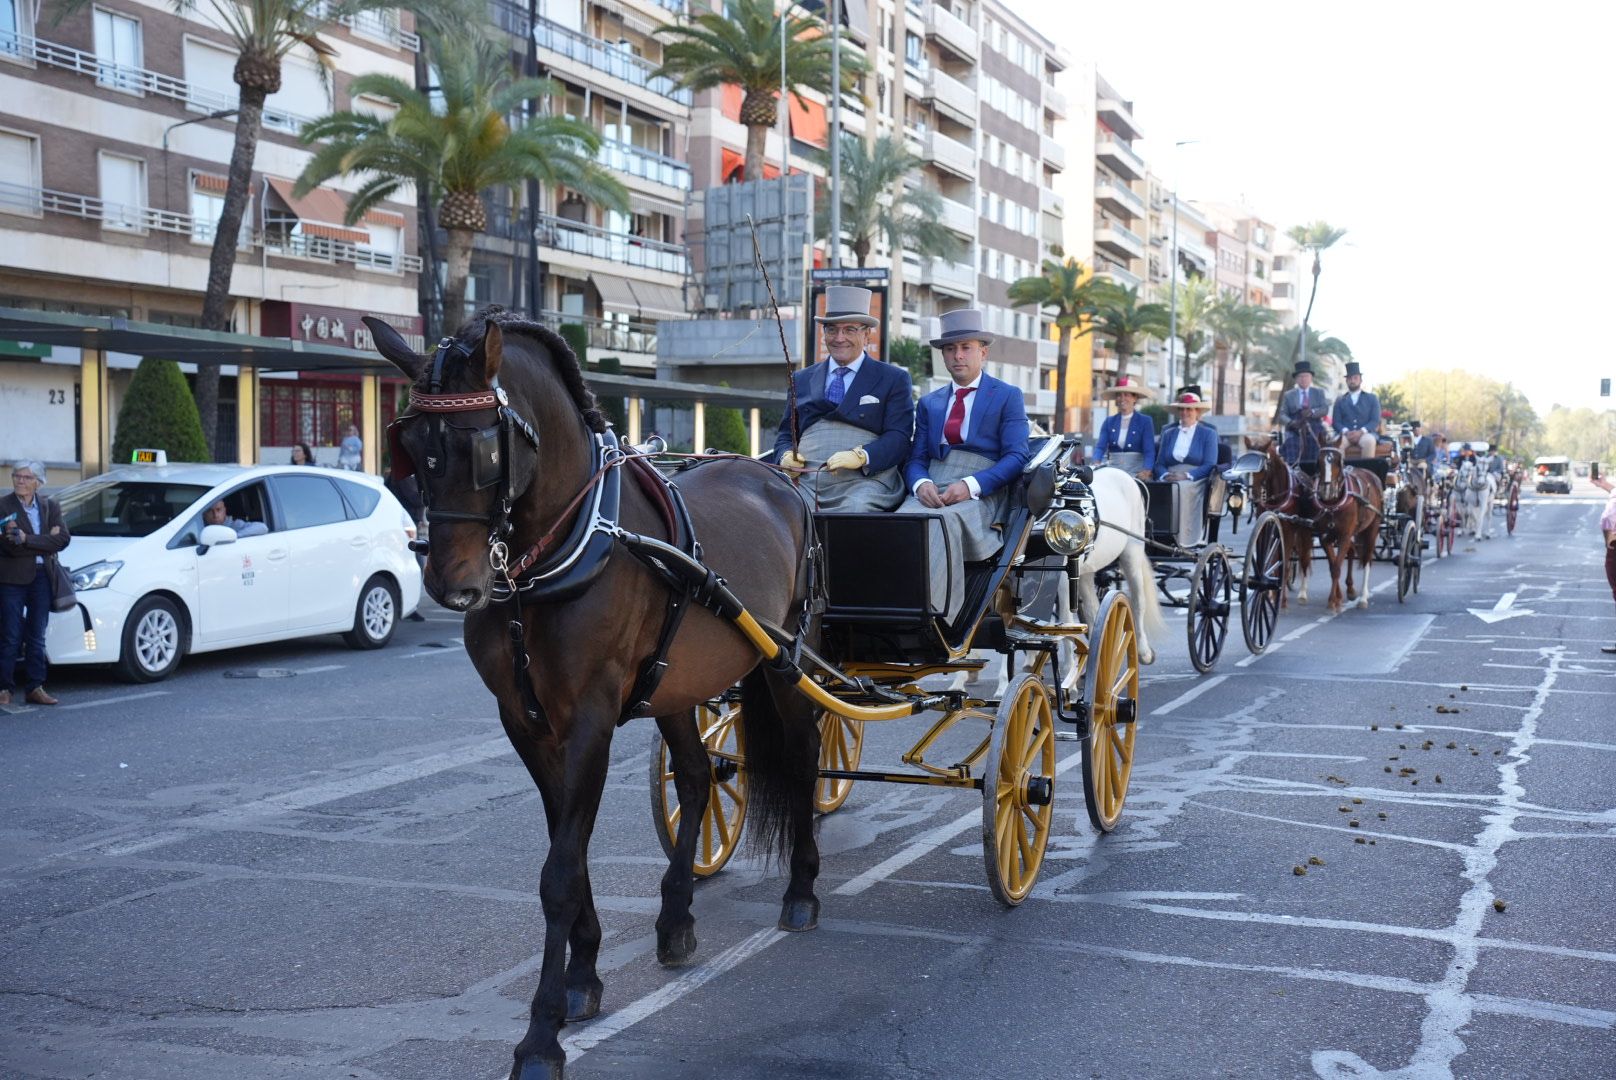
(793, 460)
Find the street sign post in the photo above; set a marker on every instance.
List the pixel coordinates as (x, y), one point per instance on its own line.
(851, 273)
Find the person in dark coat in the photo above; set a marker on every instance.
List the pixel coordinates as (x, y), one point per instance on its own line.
(1302, 412)
(1127, 438)
(33, 534)
(1357, 414)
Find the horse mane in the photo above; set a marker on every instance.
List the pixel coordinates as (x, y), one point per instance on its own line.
(566, 361)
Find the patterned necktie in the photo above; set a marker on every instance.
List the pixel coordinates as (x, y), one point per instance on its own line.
(956, 416)
(836, 390)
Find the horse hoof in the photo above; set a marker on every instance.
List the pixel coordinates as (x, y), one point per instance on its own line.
(676, 949)
(583, 1003)
(1148, 656)
(538, 1069)
(797, 916)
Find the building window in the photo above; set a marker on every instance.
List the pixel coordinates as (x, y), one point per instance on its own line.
(912, 54)
(207, 206)
(123, 193)
(14, 23)
(386, 242)
(117, 51)
(19, 173)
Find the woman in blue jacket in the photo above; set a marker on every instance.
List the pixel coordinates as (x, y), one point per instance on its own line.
(1127, 438)
(1187, 455)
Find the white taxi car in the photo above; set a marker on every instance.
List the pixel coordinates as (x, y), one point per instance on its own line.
(155, 582)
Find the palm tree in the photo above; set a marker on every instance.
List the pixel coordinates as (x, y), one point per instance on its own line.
(1239, 326)
(876, 201)
(263, 33)
(1196, 298)
(1122, 318)
(458, 148)
(1071, 290)
(739, 45)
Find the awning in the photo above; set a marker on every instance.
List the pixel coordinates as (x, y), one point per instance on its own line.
(730, 97)
(659, 301)
(732, 167)
(322, 212)
(384, 217)
(615, 292)
(211, 182)
(808, 122)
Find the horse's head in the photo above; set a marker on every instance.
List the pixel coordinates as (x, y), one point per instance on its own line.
(1271, 483)
(1332, 475)
(468, 442)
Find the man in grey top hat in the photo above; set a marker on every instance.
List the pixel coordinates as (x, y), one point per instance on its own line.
(855, 415)
(1357, 414)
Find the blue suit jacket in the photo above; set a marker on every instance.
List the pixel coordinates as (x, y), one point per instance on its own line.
(1203, 455)
(997, 429)
(891, 418)
(1365, 417)
(1141, 438)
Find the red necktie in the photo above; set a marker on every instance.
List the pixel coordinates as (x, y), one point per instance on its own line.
(956, 416)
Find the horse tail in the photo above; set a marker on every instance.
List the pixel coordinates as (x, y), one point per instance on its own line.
(1148, 598)
(779, 763)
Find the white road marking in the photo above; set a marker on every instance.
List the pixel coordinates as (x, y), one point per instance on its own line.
(118, 700)
(317, 670)
(1189, 695)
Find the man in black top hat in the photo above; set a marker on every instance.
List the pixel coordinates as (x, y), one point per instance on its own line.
(1357, 414)
(1301, 413)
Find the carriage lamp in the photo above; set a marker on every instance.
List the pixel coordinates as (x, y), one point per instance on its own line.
(1068, 533)
(1237, 500)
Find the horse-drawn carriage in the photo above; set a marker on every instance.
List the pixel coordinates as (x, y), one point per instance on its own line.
(884, 632)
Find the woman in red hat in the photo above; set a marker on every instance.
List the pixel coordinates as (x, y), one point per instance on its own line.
(1127, 438)
(1187, 455)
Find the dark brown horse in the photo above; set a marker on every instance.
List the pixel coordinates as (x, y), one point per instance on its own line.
(506, 434)
(1288, 492)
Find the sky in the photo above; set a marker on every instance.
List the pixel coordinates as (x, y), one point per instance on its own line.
(1467, 149)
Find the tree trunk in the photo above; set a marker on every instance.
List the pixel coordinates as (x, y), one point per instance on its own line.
(1241, 356)
(1217, 379)
(1124, 355)
(216, 304)
(756, 138)
(861, 249)
(457, 267)
(1063, 354)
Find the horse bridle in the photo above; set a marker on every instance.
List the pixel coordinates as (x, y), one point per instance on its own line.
(491, 461)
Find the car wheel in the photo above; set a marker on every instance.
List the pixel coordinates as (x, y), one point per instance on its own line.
(153, 641)
(375, 616)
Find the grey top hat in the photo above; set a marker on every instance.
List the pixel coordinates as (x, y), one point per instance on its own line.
(1353, 368)
(847, 303)
(962, 325)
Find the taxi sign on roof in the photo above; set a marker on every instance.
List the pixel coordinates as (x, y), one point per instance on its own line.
(149, 457)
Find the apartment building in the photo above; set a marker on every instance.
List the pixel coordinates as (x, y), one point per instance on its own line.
(115, 135)
(618, 274)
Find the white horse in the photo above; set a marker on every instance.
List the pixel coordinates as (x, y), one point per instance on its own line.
(1117, 496)
(1476, 489)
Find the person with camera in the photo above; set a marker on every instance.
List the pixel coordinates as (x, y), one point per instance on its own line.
(1607, 527)
(33, 533)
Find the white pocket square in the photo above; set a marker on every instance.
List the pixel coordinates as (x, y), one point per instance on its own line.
(869, 399)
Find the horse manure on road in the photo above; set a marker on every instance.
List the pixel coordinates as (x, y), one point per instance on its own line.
(1314, 860)
(1299, 871)
(1499, 905)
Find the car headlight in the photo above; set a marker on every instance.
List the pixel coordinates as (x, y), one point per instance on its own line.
(1068, 533)
(95, 576)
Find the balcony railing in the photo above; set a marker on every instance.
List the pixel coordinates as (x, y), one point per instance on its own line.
(959, 217)
(945, 91)
(951, 30)
(565, 234)
(594, 53)
(633, 336)
(645, 164)
(142, 219)
(381, 24)
(950, 154)
(140, 80)
(949, 276)
(1054, 152)
(1105, 188)
(1121, 157)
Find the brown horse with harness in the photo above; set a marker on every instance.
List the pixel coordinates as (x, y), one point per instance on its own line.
(523, 485)
(1342, 506)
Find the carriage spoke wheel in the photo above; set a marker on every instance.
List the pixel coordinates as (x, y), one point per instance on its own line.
(1211, 598)
(725, 816)
(1111, 689)
(1408, 563)
(841, 744)
(1018, 789)
(1262, 578)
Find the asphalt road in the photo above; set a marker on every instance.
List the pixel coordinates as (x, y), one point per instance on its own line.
(332, 873)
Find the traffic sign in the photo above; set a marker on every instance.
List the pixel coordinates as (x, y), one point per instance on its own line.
(851, 273)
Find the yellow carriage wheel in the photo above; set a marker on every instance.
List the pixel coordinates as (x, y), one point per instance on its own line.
(1018, 789)
(1111, 688)
(725, 816)
(841, 744)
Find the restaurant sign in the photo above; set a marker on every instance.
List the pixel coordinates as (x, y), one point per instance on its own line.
(335, 326)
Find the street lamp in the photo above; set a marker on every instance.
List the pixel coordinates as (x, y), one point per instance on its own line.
(221, 114)
(1172, 302)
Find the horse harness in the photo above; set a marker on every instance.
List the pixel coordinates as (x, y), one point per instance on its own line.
(548, 572)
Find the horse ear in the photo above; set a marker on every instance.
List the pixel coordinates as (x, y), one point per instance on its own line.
(493, 352)
(391, 344)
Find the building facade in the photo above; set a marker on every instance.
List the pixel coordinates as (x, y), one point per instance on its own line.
(116, 129)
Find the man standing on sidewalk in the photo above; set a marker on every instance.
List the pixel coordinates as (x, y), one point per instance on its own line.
(33, 533)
